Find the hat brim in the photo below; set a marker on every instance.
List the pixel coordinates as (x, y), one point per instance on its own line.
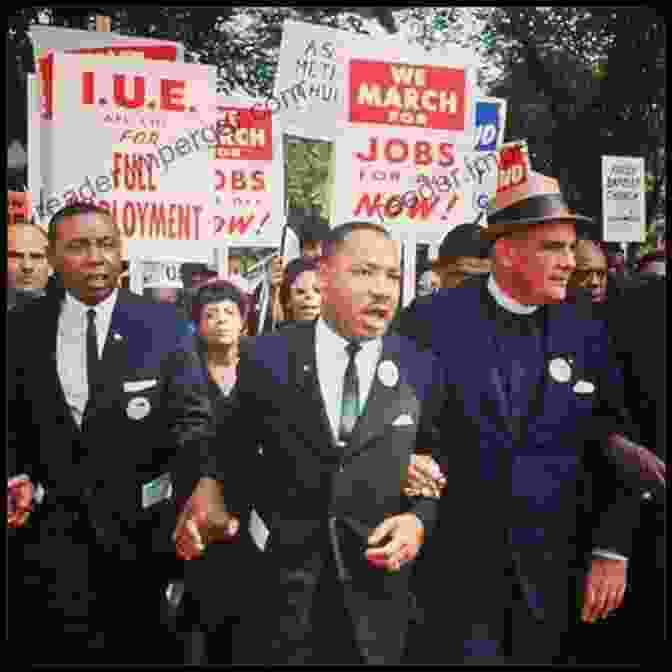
(513, 226)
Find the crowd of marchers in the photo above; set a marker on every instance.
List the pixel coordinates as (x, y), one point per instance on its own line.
(476, 478)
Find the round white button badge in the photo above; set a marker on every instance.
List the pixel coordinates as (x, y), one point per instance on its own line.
(388, 374)
(138, 408)
(560, 370)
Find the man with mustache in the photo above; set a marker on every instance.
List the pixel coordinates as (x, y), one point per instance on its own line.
(338, 406)
(535, 527)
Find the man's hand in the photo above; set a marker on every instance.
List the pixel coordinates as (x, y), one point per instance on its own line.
(405, 533)
(424, 478)
(604, 588)
(204, 520)
(20, 492)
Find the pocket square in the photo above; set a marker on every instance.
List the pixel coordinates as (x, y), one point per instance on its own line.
(138, 385)
(403, 421)
(584, 387)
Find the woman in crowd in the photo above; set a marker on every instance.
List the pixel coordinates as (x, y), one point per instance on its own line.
(299, 292)
(215, 591)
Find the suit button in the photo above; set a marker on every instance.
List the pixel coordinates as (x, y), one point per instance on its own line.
(88, 493)
(647, 495)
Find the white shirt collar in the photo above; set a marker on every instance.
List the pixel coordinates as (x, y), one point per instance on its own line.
(103, 309)
(335, 342)
(506, 301)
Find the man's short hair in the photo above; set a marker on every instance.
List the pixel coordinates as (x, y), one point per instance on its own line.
(310, 238)
(24, 224)
(73, 210)
(339, 235)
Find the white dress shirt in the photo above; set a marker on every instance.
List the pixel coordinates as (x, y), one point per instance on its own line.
(71, 348)
(517, 308)
(332, 359)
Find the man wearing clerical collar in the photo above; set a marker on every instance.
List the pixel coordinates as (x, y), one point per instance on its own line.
(536, 395)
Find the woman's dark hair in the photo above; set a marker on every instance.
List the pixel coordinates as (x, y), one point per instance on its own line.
(292, 272)
(215, 291)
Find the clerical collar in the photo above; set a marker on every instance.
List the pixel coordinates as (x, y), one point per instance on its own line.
(507, 302)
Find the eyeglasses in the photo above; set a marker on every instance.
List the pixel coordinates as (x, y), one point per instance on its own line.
(582, 275)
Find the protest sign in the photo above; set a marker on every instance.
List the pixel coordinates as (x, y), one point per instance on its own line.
(247, 172)
(409, 184)
(490, 172)
(309, 89)
(623, 199)
(397, 86)
(146, 157)
(70, 40)
(158, 264)
(407, 118)
(490, 120)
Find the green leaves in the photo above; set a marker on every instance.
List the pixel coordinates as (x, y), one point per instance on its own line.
(308, 175)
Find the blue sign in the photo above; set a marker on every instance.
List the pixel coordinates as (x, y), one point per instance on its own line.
(489, 124)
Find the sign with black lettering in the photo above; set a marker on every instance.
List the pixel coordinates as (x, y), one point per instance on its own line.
(623, 199)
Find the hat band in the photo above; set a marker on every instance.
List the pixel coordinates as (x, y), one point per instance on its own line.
(540, 206)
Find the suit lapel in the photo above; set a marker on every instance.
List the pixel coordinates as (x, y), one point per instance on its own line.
(313, 420)
(385, 402)
(53, 380)
(493, 400)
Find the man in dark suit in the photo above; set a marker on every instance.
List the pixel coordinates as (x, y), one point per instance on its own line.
(536, 392)
(342, 535)
(637, 324)
(106, 395)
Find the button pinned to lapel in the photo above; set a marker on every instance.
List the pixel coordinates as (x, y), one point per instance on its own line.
(560, 370)
(388, 373)
(584, 387)
(117, 337)
(138, 408)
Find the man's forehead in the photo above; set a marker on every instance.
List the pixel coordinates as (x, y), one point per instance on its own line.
(25, 236)
(88, 221)
(364, 246)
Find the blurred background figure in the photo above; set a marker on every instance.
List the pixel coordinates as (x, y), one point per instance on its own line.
(653, 264)
(192, 275)
(615, 258)
(591, 271)
(311, 245)
(214, 594)
(462, 254)
(428, 283)
(165, 294)
(299, 292)
(27, 266)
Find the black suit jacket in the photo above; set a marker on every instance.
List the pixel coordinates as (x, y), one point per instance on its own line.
(539, 500)
(319, 498)
(97, 474)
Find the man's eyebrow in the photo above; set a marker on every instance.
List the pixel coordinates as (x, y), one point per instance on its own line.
(557, 244)
(376, 267)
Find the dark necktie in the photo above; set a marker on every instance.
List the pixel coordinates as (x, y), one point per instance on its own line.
(350, 403)
(92, 360)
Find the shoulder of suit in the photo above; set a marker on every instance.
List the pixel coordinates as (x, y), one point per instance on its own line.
(155, 315)
(410, 352)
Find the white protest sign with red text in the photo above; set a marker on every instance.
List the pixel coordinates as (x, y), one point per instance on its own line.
(129, 136)
(408, 117)
(248, 176)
